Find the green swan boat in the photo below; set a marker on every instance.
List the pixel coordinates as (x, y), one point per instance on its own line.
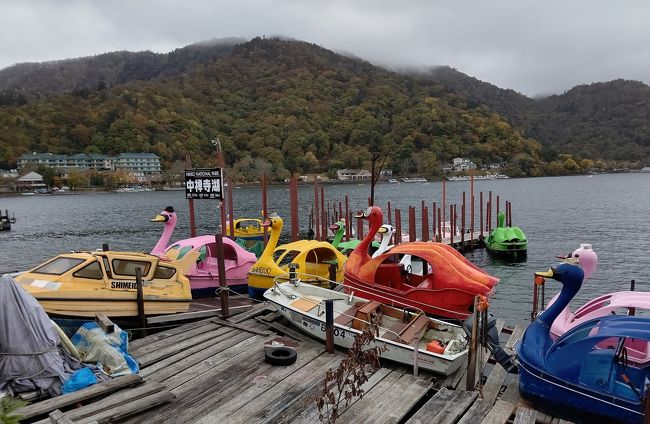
(509, 242)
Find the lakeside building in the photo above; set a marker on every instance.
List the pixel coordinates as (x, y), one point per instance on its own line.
(138, 163)
(353, 174)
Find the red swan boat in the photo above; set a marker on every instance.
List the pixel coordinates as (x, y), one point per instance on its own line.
(433, 277)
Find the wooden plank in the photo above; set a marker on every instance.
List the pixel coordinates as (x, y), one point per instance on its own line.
(525, 416)
(408, 391)
(432, 407)
(171, 340)
(112, 401)
(99, 389)
(459, 376)
(256, 398)
(58, 417)
(476, 412)
(285, 330)
(454, 409)
(500, 413)
(256, 310)
(240, 327)
(184, 316)
(173, 348)
(129, 408)
(516, 335)
(104, 322)
(145, 341)
(485, 355)
(178, 363)
(511, 394)
(493, 384)
(309, 415)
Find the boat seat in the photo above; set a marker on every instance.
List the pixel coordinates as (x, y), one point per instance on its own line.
(348, 315)
(406, 332)
(364, 313)
(596, 367)
(390, 274)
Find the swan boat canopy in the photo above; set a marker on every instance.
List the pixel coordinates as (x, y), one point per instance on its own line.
(317, 262)
(204, 273)
(588, 371)
(79, 284)
(441, 347)
(436, 278)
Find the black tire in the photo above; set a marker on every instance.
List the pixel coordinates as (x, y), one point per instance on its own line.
(280, 356)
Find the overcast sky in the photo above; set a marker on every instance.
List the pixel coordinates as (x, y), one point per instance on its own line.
(533, 47)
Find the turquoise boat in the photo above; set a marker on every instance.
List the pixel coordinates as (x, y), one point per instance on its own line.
(508, 242)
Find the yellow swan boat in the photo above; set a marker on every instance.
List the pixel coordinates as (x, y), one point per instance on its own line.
(317, 261)
(79, 284)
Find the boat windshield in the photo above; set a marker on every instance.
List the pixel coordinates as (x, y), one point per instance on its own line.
(58, 266)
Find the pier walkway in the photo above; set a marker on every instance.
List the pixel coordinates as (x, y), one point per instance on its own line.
(214, 371)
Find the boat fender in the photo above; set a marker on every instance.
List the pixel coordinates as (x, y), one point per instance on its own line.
(435, 346)
(280, 355)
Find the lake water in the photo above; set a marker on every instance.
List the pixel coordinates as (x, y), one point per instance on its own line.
(610, 211)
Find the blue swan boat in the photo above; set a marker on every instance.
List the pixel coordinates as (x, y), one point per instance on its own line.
(588, 372)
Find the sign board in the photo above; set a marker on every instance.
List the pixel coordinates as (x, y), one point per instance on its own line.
(204, 184)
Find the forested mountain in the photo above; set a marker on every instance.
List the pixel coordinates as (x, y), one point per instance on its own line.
(607, 121)
(282, 106)
(278, 107)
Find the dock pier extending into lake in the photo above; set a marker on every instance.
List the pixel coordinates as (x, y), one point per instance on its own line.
(214, 371)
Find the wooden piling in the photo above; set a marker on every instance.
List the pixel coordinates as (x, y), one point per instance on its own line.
(425, 223)
(231, 212)
(348, 219)
(293, 194)
(221, 266)
(481, 212)
(359, 228)
(444, 207)
(471, 357)
(489, 211)
(412, 232)
(452, 225)
(398, 227)
(462, 221)
(316, 210)
(323, 233)
(390, 218)
(140, 300)
(329, 325)
(265, 208)
(471, 206)
(190, 202)
(496, 216)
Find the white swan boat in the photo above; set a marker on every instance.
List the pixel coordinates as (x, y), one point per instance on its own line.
(441, 347)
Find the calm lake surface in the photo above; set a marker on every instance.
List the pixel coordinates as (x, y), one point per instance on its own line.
(610, 211)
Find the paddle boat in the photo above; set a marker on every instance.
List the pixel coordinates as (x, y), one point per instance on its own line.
(346, 247)
(441, 347)
(79, 284)
(587, 372)
(204, 274)
(317, 261)
(618, 303)
(250, 229)
(438, 279)
(507, 242)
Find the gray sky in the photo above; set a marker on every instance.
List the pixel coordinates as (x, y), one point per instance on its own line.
(533, 47)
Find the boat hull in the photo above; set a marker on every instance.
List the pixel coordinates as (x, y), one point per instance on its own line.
(313, 323)
(446, 303)
(554, 395)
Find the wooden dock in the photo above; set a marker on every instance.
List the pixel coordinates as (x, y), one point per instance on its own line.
(214, 371)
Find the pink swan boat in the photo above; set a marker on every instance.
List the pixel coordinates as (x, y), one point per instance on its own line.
(204, 275)
(616, 303)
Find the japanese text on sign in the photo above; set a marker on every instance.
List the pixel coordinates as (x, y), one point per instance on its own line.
(203, 184)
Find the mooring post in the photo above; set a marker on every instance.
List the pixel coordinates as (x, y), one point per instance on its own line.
(462, 222)
(295, 227)
(265, 209)
(329, 325)
(105, 247)
(433, 222)
(140, 300)
(398, 227)
(412, 234)
(452, 225)
(496, 222)
(489, 211)
(390, 217)
(360, 228)
(190, 202)
(481, 212)
(444, 207)
(231, 212)
(221, 267)
(471, 209)
(632, 311)
(316, 210)
(425, 223)
(323, 221)
(471, 357)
